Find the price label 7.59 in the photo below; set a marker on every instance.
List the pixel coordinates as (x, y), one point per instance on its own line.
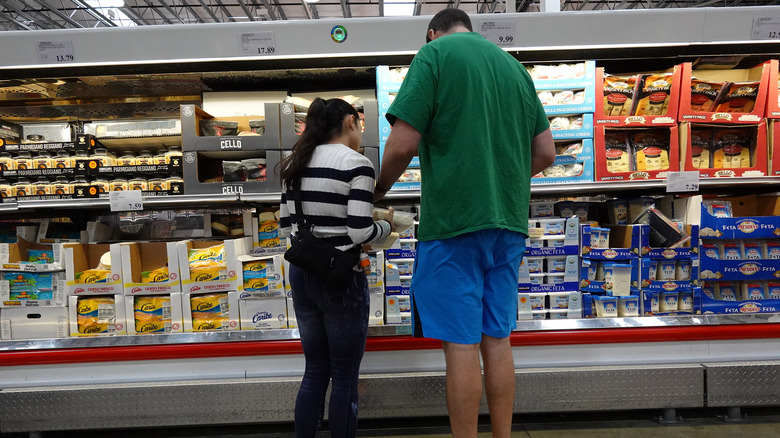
(129, 200)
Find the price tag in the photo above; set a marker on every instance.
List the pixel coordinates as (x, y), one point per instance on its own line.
(55, 52)
(499, 32)
(129, 200)
(677, 182)
(257, 43)
(765, 28)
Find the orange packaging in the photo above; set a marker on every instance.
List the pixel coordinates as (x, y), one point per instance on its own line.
(704, 94)
(617, 152)
(654, 95)
(651, 150)
(739, 97)
(619, 95)
(701, 144)
(731, 148)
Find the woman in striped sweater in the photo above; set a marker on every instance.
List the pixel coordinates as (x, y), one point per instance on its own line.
(337, 185)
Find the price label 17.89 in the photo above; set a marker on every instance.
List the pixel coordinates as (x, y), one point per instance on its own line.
(257, 43)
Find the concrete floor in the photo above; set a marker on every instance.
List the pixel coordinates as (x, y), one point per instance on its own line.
(702, 423)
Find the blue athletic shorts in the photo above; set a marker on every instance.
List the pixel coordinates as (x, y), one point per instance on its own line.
(466, 285)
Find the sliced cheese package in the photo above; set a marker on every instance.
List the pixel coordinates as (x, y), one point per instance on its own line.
(152, 314)
(618, 153)
(155, 276)
(701, 146)
(96, 315)
(619, 95)
(732, 148)
(650, 150)
(210, 311)
(207, 264)
(92, 276)
(738, 97)
(704, 94)
(654, 94)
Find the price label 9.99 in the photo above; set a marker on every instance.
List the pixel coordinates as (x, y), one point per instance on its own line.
(498, 32)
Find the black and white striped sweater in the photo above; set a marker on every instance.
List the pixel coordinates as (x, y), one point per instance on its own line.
(337, 197)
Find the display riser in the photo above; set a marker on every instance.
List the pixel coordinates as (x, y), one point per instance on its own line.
(270, 400)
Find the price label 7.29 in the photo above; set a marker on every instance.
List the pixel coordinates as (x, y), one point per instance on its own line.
(129, 200)
(677, 182)
(257, 43)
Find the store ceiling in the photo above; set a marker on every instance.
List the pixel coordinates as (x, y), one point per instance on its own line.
(62, 14)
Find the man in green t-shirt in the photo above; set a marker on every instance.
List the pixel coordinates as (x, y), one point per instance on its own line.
(471, 113)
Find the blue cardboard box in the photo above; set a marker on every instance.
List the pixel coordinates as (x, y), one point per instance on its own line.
(588, 80)
(627, 236)
(751, 227)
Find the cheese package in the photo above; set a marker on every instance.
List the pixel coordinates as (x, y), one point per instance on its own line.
(738, 97)
(650, 150)
(619, 95)
(96, 315)
(617, 152)
(207, 264)
(152, 314)
(701, 144)
(210, 311)
(704, 94)
(155, 276)
(654, 94)
(216, 253)
(731, 148)
(92, 276)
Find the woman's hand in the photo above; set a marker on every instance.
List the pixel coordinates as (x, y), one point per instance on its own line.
(389, 217)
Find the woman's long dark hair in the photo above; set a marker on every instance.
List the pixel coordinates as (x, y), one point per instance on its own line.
(323, 122)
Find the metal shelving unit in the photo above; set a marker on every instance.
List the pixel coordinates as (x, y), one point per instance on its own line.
(208, 57)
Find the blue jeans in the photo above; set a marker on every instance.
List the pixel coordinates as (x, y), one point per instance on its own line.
(333, 324)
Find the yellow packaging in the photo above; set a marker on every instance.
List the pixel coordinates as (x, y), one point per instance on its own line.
(700, 147)
(619, 95)
(617, 156)
(216, 252)
(202, 325)
(654, 95)
(270, 243)
(255, 265)
(255, 283)
(149, 327)
(651, 150)
(155, 276)
(151, 308)
(206, 270)
(732, 148)
(92, 276)
(95, 315)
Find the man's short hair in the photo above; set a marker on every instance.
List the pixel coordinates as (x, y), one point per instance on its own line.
(446, 19)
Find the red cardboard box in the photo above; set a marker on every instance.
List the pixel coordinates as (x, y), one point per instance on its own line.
(774, 147)
(602, 174)
(773, 91)
(756, 116)
(758, 158)
(668, 119)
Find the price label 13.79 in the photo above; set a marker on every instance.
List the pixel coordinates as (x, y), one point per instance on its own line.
(55, 52)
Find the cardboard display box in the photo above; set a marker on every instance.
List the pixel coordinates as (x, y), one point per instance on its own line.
(227, 314)
(169, 312)
(758, 153)
(587, 80)
(760, 73)
(266, 238)
(667, 119)
(773, 148)
(370, 120)
(226, 282)
(15, 256)
(194, 180)
(138, 258)
(38, 323)
(263, 314)
(80, 257)
(32, 289)
(192, 140)
(602, 173)
(773, 91)
(625, 243)
(745, 227)
(111, 317)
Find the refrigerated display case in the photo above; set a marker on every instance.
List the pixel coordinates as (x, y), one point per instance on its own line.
(663, 362)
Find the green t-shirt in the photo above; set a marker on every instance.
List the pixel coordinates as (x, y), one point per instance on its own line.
(477, 110)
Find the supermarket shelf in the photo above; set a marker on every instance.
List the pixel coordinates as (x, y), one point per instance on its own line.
(376, 332)
(724, 185)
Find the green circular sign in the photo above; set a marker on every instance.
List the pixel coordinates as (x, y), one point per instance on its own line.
(338, 34)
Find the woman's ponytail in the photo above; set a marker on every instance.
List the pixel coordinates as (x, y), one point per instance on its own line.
(323, 122)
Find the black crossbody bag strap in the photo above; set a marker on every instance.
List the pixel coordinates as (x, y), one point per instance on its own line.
(301, 218)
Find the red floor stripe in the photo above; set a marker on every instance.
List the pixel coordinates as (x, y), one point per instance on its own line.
(393, 343)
